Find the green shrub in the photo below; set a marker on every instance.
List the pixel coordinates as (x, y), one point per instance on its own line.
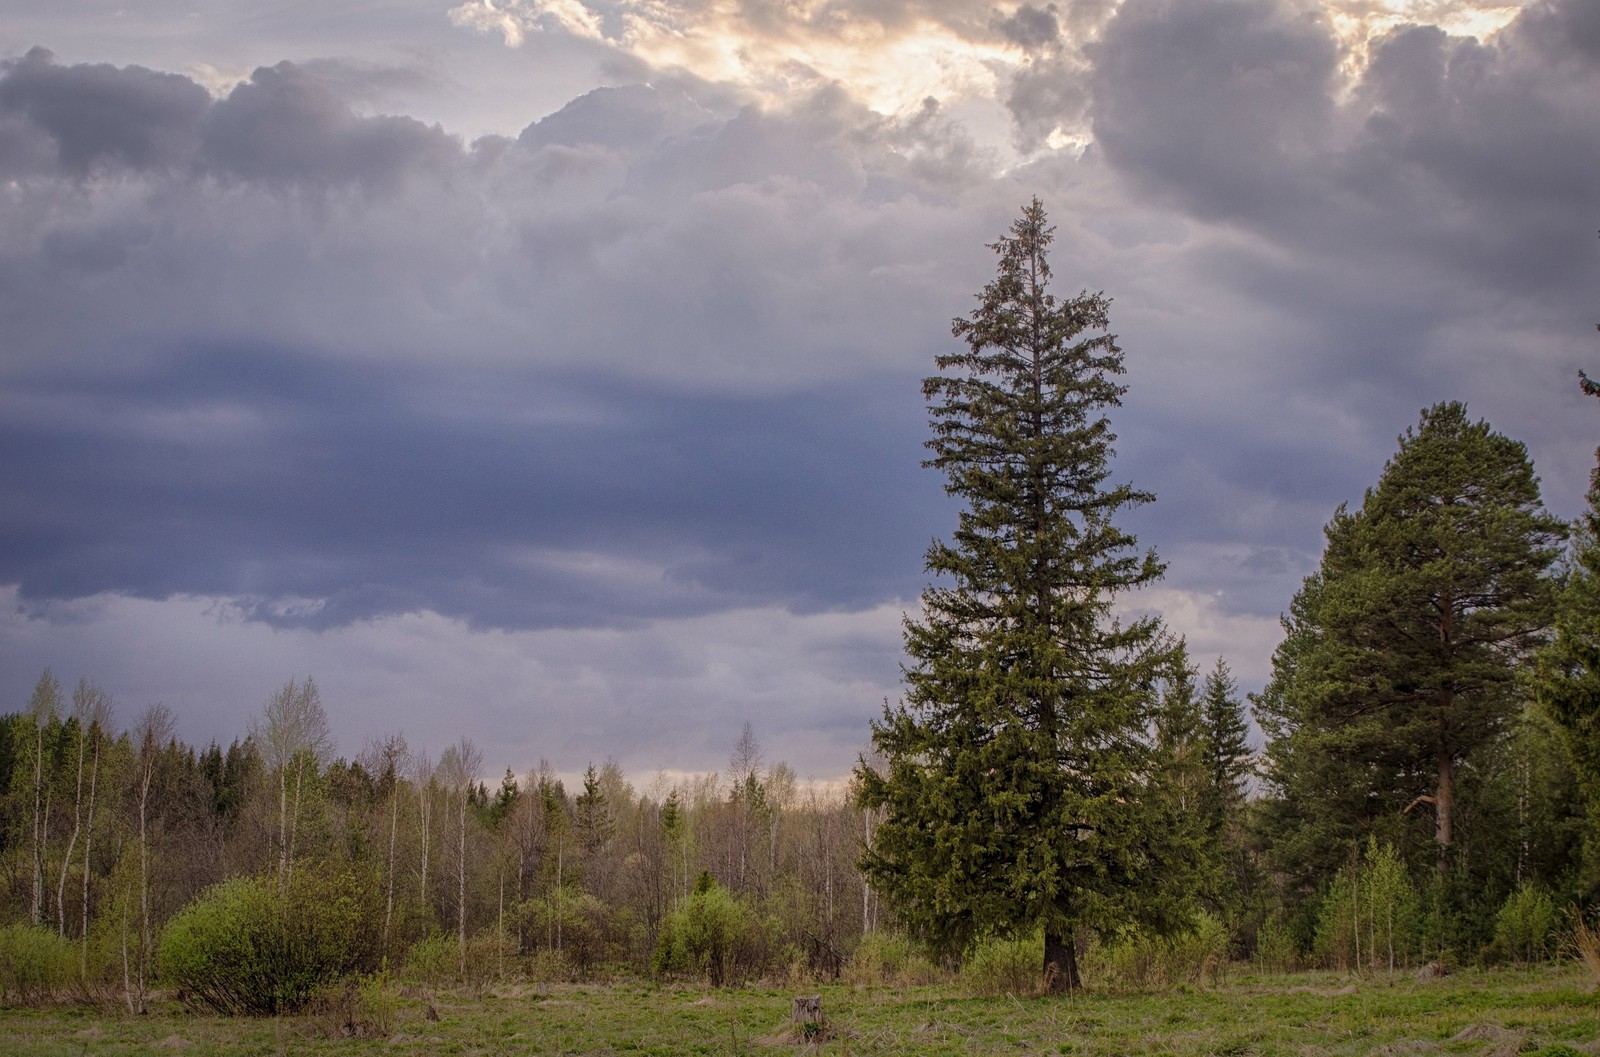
(1525, 925)
(888, 959)
(433, 961)
(35, 964)
(1276, 951)
(1197, 954)
(714, 935)
(1138, 959)
(377, 1004)
(244, 947)
(546, 966)
(1005, 966)
(1371, 917)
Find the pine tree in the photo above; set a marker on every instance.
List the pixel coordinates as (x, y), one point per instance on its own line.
(1018, 764)
(1567, 683)
(1403, 650)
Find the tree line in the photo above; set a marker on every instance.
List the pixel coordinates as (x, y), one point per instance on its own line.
(108, 833)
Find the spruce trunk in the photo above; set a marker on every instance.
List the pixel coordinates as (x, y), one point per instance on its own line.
(1060, 963)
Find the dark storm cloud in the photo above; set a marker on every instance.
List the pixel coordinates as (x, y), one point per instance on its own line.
(658, 356)
(609, 373)
(74, 119)
(1032, 29)
(287, 125)
(254, 473)
(1423, 234)
(1450, 153)
(1215, 101)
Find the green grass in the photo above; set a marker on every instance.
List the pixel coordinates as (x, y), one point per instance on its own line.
(1498, 1013)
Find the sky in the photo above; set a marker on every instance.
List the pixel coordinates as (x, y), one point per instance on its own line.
(547, 372)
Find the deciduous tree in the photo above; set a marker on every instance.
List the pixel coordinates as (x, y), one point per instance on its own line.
(293, 734)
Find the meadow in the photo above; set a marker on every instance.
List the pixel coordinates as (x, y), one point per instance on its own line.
(1551, 1011)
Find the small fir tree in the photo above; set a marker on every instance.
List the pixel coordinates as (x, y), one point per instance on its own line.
(1226, 748)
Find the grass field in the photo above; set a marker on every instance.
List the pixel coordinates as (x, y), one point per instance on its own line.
(1548, 1011)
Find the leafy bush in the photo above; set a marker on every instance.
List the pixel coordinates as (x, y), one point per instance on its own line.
(1137, 959)
(433, 960)
(244, 947)
(886, 958)
(1005, 966)
(377, 1004)
(1197, 954)
(35, 963)
(714, 935)
(1276, 951)
(1371, 916)
(1525, 925)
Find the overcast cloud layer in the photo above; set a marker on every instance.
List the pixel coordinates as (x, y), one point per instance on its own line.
(548, 372)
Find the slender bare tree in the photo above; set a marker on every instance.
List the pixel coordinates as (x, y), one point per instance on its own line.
(458, 770)
(43, 707)
(87, 702)
(293, 735)
(99, 722)
(151, 731)
(389, 759)
(423, 775)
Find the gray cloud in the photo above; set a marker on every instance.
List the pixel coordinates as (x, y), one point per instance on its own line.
(1215, 101)
(76, 119)
(1033, 29)
(287, 126)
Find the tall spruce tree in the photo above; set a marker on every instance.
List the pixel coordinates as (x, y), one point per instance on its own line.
(1403, 649)
(1019, 764)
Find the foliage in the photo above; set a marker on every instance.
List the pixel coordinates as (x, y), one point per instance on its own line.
(377, 1004)
(1525, 927)
(889, 959)
(1015, 787)
(36, 964)
(1567, 678)
(1225, 748)
(1004, 965)
(1139, 959)
(243, 947)
(714, 935)
(1401, 653)
(1276, 950)
(1369, 918)
(433, 960)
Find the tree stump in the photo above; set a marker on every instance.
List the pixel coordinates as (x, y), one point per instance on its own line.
(806, 1013)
